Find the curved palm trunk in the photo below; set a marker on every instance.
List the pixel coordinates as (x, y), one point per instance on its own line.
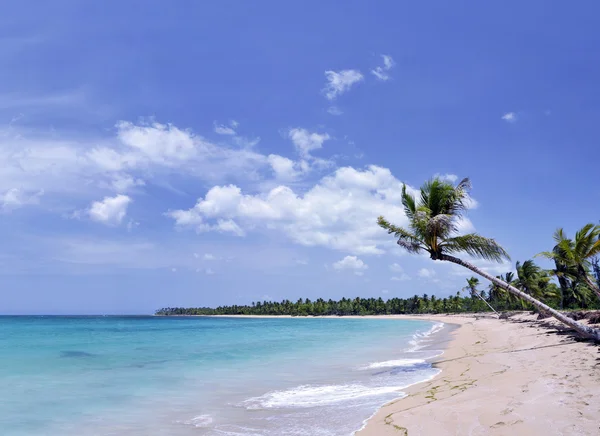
(583, 330)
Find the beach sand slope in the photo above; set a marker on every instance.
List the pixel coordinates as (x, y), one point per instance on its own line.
(501, 377)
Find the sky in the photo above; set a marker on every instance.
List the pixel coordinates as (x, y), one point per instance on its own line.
(222, 152)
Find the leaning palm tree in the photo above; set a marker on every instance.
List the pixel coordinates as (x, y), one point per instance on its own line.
(472, 284)
(433, 229)
(576, 255)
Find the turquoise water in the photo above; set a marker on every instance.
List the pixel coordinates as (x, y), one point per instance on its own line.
(203, 376)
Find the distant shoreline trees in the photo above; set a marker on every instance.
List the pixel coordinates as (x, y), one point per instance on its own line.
(417, 304)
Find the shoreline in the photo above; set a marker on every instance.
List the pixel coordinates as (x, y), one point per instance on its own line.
(500, 377)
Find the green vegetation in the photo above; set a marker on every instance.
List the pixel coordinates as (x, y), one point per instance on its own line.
(434, 221)
(476, 301)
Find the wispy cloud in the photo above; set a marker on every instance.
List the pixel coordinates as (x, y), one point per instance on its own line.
(338, 82)
(334, 110)
(16, 198)
(382, 71)
(223, 129)
(510, 117)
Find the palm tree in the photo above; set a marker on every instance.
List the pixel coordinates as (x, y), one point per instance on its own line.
(575, 256)
(534, 281)
(433, 221)
(472, 284)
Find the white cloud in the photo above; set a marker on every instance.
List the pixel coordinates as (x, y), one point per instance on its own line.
(339, 212)
(381, 72)
(339, 82)
(15, 198)
(352, 263)
(510, 117)
(305, 141)
(285, 169)
(90, 166)
(111, 210)
(384, 291)
(401, 278)
(396, 268)
(452, 178)
(334, 110)
(124, 183)
(209, 272)
(426, 273)
(209, 256)
(223, 129)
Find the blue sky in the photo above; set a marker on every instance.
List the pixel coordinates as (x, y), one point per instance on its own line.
(201, 153)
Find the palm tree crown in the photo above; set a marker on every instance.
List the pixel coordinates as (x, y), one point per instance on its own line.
(573, 257)
(433, 223)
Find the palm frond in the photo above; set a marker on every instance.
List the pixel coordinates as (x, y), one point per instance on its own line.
(475, 245)
(559, 235)
(408, 201)
(411, 247)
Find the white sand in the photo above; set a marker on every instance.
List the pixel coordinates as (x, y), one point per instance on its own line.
(501, 377)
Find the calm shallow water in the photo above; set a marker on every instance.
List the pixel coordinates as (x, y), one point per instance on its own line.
(203, 376)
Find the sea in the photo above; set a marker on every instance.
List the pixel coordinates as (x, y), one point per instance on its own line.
(145, 375)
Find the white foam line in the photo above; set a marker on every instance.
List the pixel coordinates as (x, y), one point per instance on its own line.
(364, 423)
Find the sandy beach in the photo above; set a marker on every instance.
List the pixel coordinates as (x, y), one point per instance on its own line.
(501, 377)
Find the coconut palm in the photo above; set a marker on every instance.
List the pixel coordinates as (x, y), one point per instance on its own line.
(575, 256)
(433, 228)
(534, 281)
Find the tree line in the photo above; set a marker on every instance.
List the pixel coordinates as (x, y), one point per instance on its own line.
(529, 277)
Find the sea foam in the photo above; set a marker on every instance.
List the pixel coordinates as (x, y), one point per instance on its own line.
(311, 396)
(394, 363)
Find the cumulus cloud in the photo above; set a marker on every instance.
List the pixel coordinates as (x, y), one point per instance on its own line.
(352, 263)
(305, 141)
(286, 169)
(510, 117)
(339, 82)
(382, 71)
(339, 212)
(401, 278)
(109, 211)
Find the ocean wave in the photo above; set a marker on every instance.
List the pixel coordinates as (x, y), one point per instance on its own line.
(311, 396)
(418, 338)
(394, 363)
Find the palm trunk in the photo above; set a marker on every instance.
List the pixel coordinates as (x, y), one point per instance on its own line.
(488, 304)
(583, 330)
